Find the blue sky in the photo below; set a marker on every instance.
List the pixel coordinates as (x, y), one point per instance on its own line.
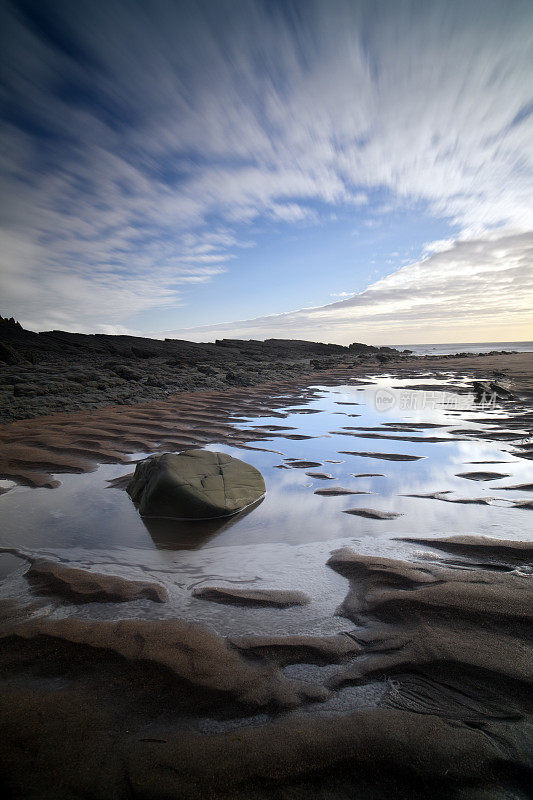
(334, 170)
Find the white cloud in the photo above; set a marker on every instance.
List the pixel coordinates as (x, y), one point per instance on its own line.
(129, 168)
(292, 212)
(483, 285)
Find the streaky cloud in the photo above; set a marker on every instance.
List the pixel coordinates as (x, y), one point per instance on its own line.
(142, 142)
(487, 281)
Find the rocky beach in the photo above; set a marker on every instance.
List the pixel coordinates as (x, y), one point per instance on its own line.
(361, 630)
(266, 400)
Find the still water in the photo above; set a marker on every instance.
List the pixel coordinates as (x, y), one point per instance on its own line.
(285, 541)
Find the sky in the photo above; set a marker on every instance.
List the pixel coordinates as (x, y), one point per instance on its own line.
(334, 170)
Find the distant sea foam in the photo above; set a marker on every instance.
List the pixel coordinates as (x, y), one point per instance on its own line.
(465, 347)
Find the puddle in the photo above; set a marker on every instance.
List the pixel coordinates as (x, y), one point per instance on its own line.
(285, 541)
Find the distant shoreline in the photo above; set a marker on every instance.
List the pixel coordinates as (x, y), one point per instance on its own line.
(452, 348)
(55, 372)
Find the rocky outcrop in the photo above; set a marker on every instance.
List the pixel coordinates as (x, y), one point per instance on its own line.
(8, 355)
(485, 390)
(194, 484)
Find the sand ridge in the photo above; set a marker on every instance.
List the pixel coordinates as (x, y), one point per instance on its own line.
(33, 450)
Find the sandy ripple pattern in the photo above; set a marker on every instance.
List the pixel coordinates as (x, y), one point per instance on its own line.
(449, 644)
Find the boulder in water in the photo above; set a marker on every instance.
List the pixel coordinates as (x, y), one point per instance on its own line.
(195, 484)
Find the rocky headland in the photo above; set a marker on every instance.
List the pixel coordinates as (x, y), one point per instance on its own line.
(55, 371)
(44, 373)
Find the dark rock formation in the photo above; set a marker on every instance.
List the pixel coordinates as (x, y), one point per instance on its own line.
(71, 371)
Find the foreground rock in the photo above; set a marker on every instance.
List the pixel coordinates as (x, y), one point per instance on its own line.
(253, 597)
(195, 484)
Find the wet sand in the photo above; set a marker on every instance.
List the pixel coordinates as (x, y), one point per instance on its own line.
(421, 687)
(31, 450)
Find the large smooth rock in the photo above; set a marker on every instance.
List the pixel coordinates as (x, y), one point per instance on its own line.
(195, 484)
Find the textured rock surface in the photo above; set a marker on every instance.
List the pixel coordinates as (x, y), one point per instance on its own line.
(195, 484)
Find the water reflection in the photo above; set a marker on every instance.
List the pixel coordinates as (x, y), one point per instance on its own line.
(183, 534)
(84, 512)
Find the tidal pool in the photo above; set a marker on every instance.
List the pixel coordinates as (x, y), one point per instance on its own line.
(284, 542)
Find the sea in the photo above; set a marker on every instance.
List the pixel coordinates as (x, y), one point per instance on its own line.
(465, 347)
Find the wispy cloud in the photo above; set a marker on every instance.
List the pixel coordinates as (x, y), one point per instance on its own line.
(140, 141)
(479, 284)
